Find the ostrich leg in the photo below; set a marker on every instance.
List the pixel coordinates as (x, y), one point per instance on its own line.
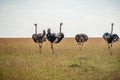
(40, 45)
(82, 43)
(110, 48)
(52, 48)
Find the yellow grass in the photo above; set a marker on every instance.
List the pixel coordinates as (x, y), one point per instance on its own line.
(21, 59)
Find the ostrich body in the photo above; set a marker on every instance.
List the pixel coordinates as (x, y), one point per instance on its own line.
(39, 38)
(81, 38)
(110, 38)
(53, 37)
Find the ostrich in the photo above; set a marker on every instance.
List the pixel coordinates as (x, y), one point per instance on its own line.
(54, 38)
(110, 38)
(81, 38)
(39, 38)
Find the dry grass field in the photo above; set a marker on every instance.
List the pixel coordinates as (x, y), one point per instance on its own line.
(21, 59)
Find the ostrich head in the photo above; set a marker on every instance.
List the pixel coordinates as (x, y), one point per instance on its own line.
(35, 24)
(49, 31)
(61, 24)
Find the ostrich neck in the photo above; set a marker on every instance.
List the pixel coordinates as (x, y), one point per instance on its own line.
(35, 29)
(60, 28)
(111, 28)
(49, 32)
(44, 32)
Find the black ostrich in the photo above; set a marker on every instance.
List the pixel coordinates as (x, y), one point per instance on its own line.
(110, 38)
(54, 38)
(81, 38)
(39, 38)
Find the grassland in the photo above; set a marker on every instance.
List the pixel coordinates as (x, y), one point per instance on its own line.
(21, 59)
